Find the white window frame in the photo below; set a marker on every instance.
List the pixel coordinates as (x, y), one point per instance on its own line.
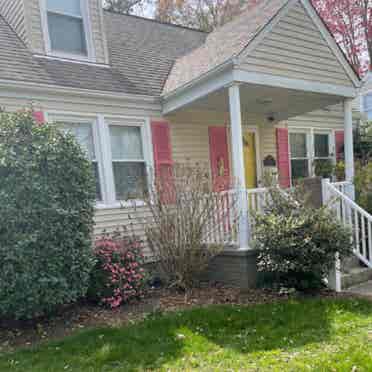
(308, 149)
(102, 145)
(104, 130)
(85, 14)
(310, 144)
(84, 119)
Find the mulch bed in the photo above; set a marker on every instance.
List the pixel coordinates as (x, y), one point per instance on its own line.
(69, 319)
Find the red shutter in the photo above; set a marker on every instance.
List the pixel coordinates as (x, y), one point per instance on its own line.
(283, 157)
(163, 157)
(339, 140)
(38, 116)
(219, 157)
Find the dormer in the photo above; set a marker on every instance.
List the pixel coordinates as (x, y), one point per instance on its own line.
(64, 29)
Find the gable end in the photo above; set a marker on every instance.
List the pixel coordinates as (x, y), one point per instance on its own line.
(296, 48)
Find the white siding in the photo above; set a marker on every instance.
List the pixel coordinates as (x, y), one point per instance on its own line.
(295, 48)
(13, 12)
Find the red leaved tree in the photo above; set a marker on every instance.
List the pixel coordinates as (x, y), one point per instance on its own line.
(350, 21)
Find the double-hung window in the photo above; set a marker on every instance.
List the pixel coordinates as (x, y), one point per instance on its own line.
(67, 26)
(128, 161)
(299, 152)
(84, 134)
(311, 153)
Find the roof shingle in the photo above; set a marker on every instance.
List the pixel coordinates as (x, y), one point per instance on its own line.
(224, 43)
(141, 54)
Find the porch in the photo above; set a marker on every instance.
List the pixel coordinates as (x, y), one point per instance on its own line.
(256, 124)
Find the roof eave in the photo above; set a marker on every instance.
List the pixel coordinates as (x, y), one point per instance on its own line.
(58, 89)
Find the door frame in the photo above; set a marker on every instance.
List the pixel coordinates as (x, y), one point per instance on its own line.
(255, 129)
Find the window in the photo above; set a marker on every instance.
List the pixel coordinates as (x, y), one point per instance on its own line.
(83, 132)
(66, 26)
(311, 154)
(321, 146)
(299, 155)
(367, 104)
(128, 162)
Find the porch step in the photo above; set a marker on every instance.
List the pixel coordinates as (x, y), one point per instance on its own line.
(364, 289)
(355, 276)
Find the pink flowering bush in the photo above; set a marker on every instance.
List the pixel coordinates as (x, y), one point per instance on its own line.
(118, 275)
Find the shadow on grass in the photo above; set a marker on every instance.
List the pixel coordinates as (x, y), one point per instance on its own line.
(165, 338)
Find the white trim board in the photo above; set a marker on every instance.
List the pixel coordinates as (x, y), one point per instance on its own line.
(295, 84)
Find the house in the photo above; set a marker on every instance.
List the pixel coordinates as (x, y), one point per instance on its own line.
(364, 101)
(269, 90)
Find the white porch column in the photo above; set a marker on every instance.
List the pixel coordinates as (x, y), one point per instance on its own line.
(349, 146)
(238, 164)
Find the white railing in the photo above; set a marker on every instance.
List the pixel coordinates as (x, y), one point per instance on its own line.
(222, 225)
(342, 186)
(352, 216)
(226, 214)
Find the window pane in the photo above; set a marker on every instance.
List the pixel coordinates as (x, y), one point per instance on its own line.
(130, 180)
(300, 169)
(67, 34)
(369, 115)
(321, 145)
(83, 133)
(298, 145)
(126, 143)
(71, 7)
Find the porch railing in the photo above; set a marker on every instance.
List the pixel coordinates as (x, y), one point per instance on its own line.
(226, 214)
(337, 197)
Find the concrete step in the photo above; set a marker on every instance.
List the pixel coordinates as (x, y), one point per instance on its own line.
(364, 289)
(355, 276)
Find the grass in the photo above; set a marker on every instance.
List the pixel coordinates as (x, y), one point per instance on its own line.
(307, 335)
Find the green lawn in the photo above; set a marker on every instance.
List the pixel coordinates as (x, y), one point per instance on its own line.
(309, 335)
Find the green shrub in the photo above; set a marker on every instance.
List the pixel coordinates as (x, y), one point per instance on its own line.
(297, 244)
(118, 275)
(47, 196)
(324, 168)
(363, 185)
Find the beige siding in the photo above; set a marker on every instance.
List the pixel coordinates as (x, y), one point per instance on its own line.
(35, 31)
(33, 26)
(332, 118)
(106, 219)
(295, 48)
(189, 135)
(13, 12)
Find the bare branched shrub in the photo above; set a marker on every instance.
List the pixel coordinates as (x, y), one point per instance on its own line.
(189, 223)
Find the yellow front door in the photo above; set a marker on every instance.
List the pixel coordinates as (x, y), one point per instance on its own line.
(249, 141)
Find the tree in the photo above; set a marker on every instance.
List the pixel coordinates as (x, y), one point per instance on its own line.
(123, 6)
(350, 21)
(205, 15)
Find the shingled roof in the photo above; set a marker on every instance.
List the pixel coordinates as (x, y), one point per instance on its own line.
(224, 43)
(141, 53)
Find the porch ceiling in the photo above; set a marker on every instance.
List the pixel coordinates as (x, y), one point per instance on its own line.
(263, 102)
